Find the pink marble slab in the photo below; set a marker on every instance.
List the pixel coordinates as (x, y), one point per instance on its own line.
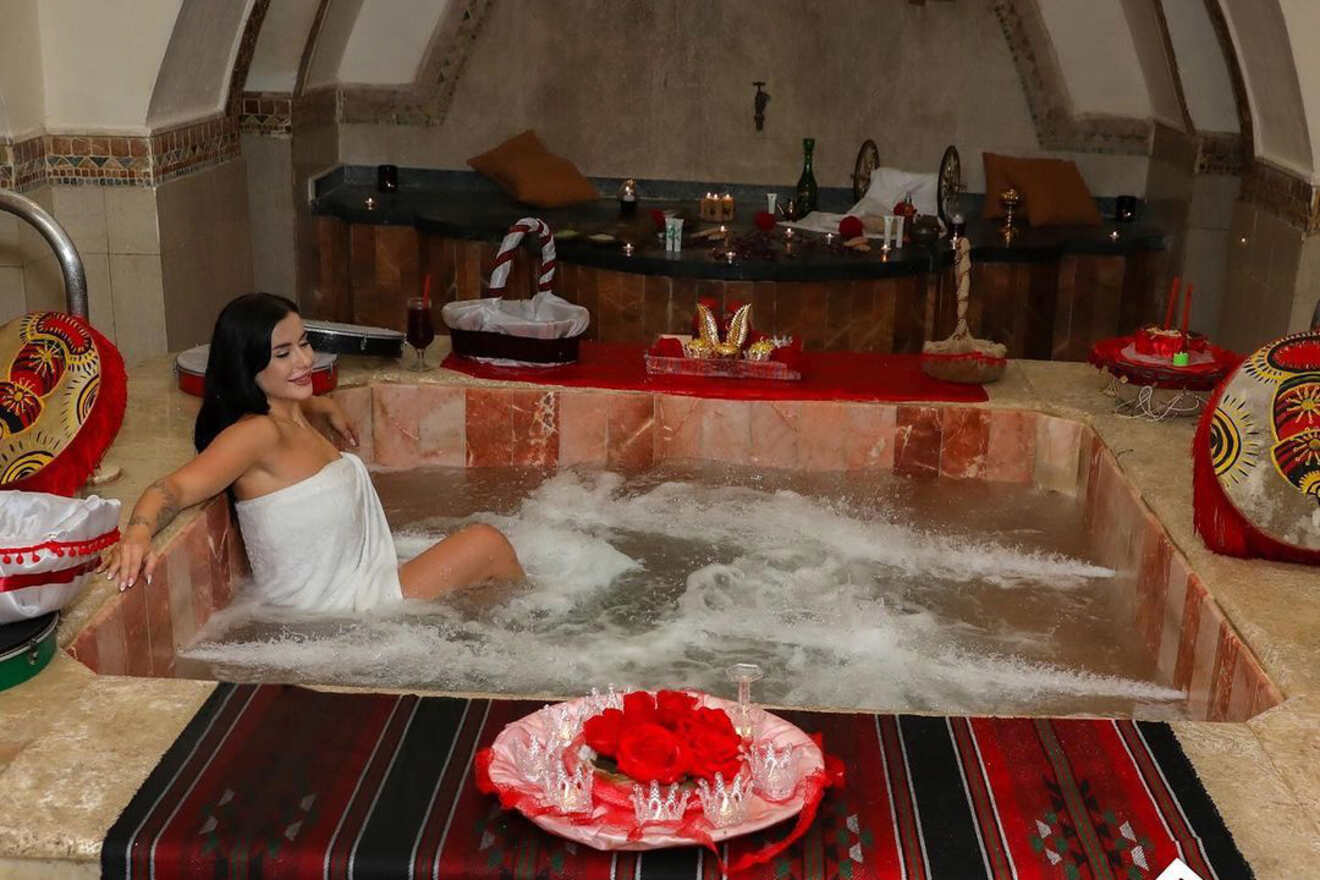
(583, 427)
(630, 439)
(965, 443)
(917, 441)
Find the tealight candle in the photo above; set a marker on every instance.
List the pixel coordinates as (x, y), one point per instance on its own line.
(370, 204)
(627, 249)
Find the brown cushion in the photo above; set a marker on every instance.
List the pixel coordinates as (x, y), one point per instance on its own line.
(496, 163)
(1053, 192)
(549, 181)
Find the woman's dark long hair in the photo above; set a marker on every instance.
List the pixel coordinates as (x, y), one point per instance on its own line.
(240, 348)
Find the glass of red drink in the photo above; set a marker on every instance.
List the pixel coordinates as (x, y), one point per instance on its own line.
(421, 331)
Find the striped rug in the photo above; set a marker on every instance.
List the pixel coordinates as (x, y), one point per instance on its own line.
(277, 781)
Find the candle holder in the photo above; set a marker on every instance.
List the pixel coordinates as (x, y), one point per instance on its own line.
(598, 702)
(724, 805)
(649, 805)
(564, 721)
(774, 771)
(743, 674)
(1009, 199)
(569, 791)
(534, 756)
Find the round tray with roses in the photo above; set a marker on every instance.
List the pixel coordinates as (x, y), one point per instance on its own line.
(645, 770)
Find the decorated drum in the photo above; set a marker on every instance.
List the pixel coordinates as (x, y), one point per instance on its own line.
(336, 338)
(25, 648)
(50, 375)
(1263, 443)
(191, 368)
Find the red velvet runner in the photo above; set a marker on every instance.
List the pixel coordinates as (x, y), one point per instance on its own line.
(827, 375)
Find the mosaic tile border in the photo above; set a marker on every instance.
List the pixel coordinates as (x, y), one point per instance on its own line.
(136, 160)
(266, 113)
(1057, 127)
(318, 107)
(119, 160)
(1282, 193)
(1223, 153)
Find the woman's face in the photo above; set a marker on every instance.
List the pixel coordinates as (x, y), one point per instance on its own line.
(288, 376)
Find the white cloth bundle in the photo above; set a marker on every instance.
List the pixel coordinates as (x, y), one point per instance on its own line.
(889, 186)
(52, 536)
(544, 316)
(322, 544)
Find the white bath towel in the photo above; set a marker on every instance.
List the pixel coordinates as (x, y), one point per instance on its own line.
(322, 544)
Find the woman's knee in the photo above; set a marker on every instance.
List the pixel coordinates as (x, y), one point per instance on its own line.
(492, 541)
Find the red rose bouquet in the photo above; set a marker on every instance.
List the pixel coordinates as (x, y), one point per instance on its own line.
(665, 738)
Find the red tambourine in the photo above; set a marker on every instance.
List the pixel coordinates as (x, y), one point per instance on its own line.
(190, 366)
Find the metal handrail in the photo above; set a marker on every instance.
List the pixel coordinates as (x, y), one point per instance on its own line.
(75, 278)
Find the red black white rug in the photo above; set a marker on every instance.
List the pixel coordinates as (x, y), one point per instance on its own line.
(273, 781)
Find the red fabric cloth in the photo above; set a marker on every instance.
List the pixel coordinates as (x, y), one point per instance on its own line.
(827, 375)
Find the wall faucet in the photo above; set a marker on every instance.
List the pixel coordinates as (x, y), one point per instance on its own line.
(75, 279)
(762, 98)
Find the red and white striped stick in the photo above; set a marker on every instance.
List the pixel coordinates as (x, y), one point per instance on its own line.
(499, 275)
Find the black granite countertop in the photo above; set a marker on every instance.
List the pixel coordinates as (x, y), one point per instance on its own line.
(476, 210)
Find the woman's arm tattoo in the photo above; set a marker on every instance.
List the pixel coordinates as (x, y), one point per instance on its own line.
(169, 508)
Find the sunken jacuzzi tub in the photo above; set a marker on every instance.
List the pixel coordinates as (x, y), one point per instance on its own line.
(891, 557)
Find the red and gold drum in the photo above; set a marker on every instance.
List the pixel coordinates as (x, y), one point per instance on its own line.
(190, 366)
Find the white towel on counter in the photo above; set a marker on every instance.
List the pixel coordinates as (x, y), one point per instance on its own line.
(322, 544)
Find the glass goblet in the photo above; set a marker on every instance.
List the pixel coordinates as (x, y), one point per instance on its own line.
(421, 331)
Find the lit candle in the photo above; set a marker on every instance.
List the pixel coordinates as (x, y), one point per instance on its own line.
(627, 249)
(829, 238)
(788, 232)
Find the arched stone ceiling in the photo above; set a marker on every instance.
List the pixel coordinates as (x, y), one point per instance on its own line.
(1203, 70)
(1261, 42)
(194, 78)
(1085, 93)
(389, 40)
(279, 49)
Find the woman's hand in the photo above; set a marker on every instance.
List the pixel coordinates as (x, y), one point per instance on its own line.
(334, 414)
(340, 423)
(132, 556)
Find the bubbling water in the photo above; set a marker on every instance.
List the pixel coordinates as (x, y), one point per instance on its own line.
(659, 582)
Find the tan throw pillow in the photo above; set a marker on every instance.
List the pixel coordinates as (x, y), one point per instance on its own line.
(549, 181)
(497, 163)
(1053, 192)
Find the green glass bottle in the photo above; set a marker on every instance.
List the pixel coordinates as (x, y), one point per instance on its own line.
(805, 197)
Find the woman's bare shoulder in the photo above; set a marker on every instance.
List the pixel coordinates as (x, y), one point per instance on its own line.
(252, 434)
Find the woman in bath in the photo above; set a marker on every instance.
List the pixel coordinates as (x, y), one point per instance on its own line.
(312, 524)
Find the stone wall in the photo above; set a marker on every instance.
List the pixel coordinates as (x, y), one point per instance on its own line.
(664, 90)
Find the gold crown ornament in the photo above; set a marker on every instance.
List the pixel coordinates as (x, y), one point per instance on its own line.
(740, 325)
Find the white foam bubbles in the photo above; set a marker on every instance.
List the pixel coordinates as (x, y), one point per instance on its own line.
(665, 584)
